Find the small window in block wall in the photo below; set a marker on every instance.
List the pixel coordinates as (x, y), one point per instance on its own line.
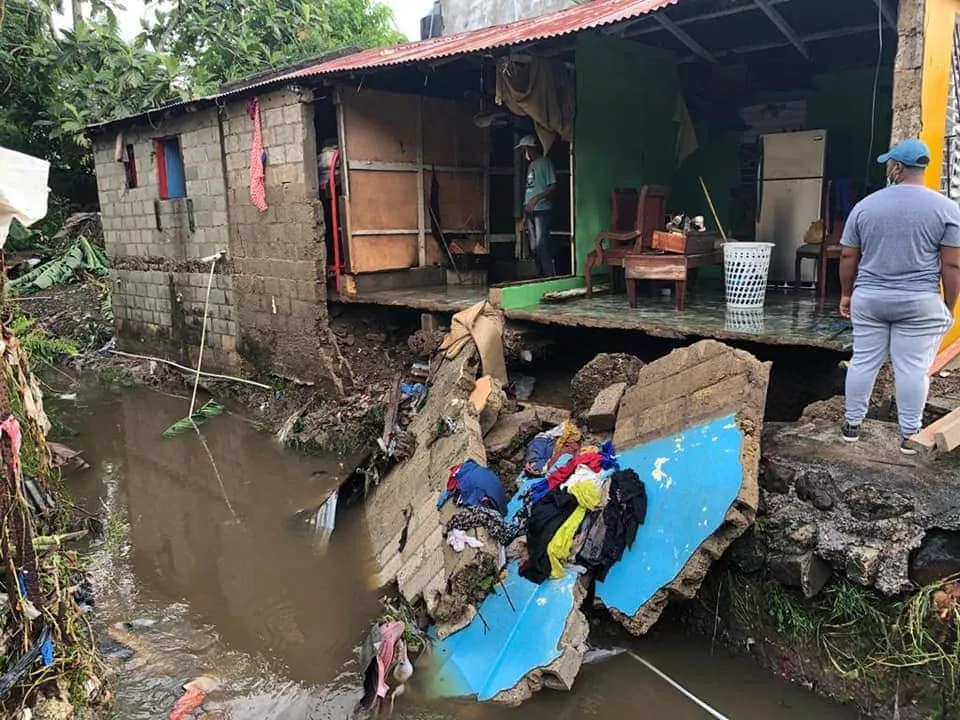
(130, 167)
(170, 174)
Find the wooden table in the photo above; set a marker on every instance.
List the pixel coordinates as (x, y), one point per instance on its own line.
(664, 266)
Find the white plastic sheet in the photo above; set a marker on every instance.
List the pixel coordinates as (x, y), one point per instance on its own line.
(23, 189)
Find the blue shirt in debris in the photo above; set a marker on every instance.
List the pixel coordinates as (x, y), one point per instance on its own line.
(540, 176)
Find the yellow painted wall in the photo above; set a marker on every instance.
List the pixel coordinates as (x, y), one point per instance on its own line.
(938, 24)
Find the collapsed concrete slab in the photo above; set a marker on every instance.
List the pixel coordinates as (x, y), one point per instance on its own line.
(866, 511)
(690, 427)
(405, 526)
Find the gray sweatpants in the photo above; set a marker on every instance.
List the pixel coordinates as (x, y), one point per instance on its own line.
(905, 327)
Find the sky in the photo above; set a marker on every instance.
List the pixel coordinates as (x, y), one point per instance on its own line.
(406, 12)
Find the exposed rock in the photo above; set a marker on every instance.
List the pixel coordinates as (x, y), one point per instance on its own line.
(871, 506)
(602, 415)
(748, 553)
(862, 565)
(937, 557)
(604, 370)
(805, 571)
(702, 382)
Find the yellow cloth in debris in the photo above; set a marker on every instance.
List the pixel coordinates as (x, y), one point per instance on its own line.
(588, 498)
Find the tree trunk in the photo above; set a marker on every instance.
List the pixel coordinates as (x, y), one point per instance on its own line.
(77, 13)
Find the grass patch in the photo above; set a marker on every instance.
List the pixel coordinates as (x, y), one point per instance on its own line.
(862, 636)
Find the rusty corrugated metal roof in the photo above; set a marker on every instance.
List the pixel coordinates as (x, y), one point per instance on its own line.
(596, 14)
(591, 15)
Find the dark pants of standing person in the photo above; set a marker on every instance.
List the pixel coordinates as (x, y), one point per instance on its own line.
(538, 226)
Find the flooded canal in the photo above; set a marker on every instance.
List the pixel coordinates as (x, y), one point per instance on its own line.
(205, 560)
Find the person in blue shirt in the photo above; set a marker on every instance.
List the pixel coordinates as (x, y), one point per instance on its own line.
(537, 205)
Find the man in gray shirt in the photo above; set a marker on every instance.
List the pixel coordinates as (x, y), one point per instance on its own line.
(899, 244)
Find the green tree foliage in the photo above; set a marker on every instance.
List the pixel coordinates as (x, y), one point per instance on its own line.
(222, 40)
(54, 83)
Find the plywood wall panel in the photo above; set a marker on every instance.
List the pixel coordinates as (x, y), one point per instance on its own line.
(383, 200)
(381, 126)
(372, 253)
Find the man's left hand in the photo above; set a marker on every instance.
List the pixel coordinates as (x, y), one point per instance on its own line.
(845, 307)
(530, 207)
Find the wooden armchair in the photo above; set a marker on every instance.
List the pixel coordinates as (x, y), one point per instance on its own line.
(634, 217)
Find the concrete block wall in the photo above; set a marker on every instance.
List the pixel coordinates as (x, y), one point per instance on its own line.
(147, 258)
(950, 175)
(279, 255)
(268, 307)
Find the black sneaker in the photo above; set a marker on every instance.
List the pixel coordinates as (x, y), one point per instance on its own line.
(850, 433)
(907, 447)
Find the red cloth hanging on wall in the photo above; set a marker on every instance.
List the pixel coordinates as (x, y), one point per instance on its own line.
(258, 190)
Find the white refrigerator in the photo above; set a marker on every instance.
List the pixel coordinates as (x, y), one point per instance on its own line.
(790, 187)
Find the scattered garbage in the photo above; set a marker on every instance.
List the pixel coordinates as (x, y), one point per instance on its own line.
(63, 456)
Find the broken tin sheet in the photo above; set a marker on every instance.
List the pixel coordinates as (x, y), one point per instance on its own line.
(516, 634)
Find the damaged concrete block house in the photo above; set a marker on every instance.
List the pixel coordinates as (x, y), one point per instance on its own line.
(588, 167)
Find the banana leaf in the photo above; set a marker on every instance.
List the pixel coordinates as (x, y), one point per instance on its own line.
(79, 257)
(208, 410)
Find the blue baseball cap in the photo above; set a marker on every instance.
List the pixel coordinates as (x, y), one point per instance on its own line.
(910, 152)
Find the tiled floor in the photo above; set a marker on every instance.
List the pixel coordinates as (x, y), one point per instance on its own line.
(786, 319)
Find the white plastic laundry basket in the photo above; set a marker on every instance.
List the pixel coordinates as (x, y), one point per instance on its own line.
(745, 267)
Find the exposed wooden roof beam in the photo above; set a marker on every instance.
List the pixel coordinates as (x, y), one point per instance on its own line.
(649, 26)
(888, 16)
(813, 37)
(788, 32)
(680, 34)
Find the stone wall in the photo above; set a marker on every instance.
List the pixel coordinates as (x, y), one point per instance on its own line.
(908, 71)
(267, 309)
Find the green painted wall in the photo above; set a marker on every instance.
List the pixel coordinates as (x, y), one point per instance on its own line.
(625, 135)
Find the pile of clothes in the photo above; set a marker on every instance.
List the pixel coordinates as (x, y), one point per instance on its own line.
(578, 505)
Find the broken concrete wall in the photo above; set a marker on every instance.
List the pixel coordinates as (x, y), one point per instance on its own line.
(690, 386)
(406, 529)
(279, 256)
(848, 510)
(268, 304)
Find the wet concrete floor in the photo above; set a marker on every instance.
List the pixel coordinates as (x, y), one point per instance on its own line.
(231, 589)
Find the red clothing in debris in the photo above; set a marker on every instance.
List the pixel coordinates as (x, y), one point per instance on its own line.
(558, 477)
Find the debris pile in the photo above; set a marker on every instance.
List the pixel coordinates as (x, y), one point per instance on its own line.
(44, 644)
(505, 516)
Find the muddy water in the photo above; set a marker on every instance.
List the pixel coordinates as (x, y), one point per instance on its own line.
(204, 554)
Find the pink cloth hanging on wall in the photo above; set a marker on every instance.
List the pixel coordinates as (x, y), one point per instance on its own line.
(258, 190)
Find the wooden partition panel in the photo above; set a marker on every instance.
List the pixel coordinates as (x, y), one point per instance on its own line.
(393, 144)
